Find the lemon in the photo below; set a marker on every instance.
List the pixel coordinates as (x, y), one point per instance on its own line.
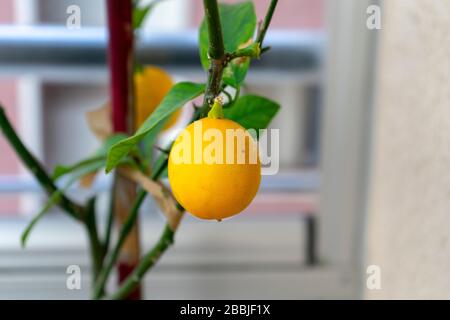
(214, 168)
(151, 85)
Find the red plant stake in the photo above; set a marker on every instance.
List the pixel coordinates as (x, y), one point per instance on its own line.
(120, 59)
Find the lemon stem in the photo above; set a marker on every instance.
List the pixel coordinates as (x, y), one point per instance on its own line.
(216, 111)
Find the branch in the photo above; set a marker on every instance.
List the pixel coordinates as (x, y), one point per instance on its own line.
(164, 242)
(112, 257)
(255, 49)
(160, 193)
(251, 51)
(110, 219)
(36, 168)
(266, 23)
(167, 204)
(173, 214)
(216, 54)
(97, 250)
(216, 48)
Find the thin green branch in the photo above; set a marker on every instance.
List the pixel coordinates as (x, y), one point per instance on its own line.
(266, 23)
(256, 49)
(229, 97)
(148, 261)
(96, 249)
(112, 257)
(110, 220)
(251, 51)
(37, 169)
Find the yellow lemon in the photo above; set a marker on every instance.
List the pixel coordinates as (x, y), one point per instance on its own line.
(214, 168)
(151, 85)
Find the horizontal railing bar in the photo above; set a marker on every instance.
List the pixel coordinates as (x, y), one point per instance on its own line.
(301, 180)
(53, 46)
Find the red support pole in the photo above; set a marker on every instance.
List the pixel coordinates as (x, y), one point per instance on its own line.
(120, 54)
(120, 59)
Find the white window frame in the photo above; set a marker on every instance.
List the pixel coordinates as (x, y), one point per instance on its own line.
(346, 138)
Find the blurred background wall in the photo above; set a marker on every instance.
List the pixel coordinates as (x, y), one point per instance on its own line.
(409, 211)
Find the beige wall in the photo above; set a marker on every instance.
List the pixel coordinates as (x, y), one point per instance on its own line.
(409, 212)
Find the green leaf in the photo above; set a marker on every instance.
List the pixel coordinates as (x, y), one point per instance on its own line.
(139, 15)
(52, 200)
(149, 140)
(159, 166)
(234, 74)
(109, 142)
(92, 164)
(164, 173)
(179, 95)
(252, 112)
(138, 67)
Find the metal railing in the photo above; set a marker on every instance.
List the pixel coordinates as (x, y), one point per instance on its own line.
(30, 48)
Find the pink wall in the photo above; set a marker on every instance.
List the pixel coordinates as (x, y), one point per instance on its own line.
(6, 11)
(9, 163)
(291, 14)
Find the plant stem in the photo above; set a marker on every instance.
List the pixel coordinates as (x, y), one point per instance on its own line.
(216, 53)
(112, 257)
(36, 168)
(255, 49)
(110, 220)
(130, 283)
(266, 23)
(216, 47)
(146, 263)
(96, 249)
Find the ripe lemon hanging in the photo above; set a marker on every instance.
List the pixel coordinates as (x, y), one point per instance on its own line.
(214, 167)
(151, 85)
